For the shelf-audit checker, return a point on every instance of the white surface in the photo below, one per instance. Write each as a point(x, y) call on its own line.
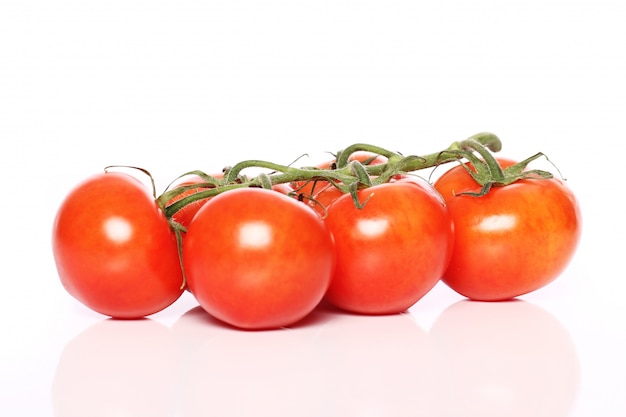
point(174, 86)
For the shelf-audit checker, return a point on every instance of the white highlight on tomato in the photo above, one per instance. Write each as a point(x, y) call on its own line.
point(255, 235)
point(373, 227)
point(118, 229)
point(497, 222)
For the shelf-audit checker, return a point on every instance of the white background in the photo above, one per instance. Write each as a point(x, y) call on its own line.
point(174, 86)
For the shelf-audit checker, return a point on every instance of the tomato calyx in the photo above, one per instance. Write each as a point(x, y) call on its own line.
point(487, 172)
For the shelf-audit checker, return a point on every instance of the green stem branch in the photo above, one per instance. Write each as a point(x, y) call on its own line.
point(347, 175)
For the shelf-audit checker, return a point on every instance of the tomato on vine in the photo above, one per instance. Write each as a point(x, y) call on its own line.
point(114, 249)
point(392, 251)
point(258, 259)
point(514, 239)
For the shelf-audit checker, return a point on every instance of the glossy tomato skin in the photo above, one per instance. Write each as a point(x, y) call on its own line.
point(391, 252)
point(258, 259)
point(512, 241)
point(114, 250)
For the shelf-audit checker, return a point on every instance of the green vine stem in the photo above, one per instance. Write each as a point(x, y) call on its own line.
point(350, 176)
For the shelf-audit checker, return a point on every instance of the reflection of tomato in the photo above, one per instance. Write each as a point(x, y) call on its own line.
point(117, 368)
point(511, 241)
point(235, 254)
point(261, 374)
point(379, 366)
point(114, 249)
point(349, 365)
point(391, 252)
point(505, 359)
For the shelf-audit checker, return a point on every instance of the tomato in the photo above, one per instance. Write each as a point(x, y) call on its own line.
point(258, 259)
point(511, 241)
point(496, 356)
point(118, 368)
point(113, 248)
point(391, 252)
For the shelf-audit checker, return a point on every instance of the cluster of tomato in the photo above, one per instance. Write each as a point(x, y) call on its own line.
point(259, 258)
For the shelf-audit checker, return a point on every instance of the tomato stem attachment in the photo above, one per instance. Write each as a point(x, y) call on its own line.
point(488, 173)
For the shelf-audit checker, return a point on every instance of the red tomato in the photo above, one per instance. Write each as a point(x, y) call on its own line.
point(514, 240)
point(114, 250)
point(257, 259)
point(391, 252)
